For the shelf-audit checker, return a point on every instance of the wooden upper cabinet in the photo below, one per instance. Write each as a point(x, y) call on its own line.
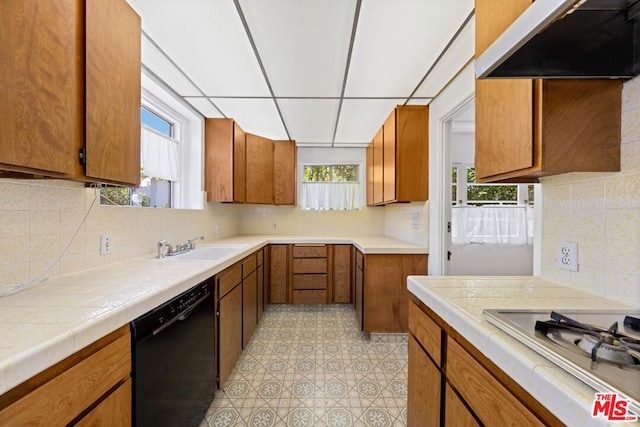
point(71, 82)
point(259, 173)
point(113, 58)
point(37, 124)
point(378, 166)
point(527, 128)
point(225, 161)
point(389, 158)
point(370, 175)
point(284, 172)
point(400, 157)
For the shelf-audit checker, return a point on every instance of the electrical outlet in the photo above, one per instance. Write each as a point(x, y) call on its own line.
point(274, 226)
point(568, 256)
point(415, 224)
point(106, 244)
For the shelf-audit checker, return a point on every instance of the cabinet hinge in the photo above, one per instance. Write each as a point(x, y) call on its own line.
point(82, 156)
point(449, 227)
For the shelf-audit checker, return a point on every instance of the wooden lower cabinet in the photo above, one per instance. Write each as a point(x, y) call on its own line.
point(229, 333)
point(249, 307)
point(358, 289)
point(456, 413)
point(278, 274)
point(424, 388)
point(342, 274)
point(260, 284)
point(385, 295)
point(97, 377)
point(115, 410)
point(471, 390)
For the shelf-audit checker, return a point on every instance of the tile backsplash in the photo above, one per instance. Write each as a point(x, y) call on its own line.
point(601, 212)
point(39, 219)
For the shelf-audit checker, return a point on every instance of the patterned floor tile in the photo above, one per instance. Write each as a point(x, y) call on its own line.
point(311, 366)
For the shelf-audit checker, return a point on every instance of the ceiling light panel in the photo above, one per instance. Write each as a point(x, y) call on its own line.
point(257, 116)
point(310, 120)
point(207, 40)
point(205, 107)
point(398, 40)
point(303, 45)
point(155, 61)
point(360, 119)
point(457, 56)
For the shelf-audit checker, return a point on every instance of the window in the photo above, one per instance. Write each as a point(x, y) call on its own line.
point(170, 153)
point(330, 187)
point(160, 164)
point(489, 213)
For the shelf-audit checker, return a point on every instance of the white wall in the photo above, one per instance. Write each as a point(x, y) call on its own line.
point(407, 221)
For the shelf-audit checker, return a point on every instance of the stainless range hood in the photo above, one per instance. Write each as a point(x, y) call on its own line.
point(568, 39)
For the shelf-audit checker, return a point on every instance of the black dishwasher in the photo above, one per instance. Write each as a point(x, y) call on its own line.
point(174, 378)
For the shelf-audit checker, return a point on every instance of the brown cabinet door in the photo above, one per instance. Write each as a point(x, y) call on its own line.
point(389, 158)
point(370, 174)
point(115, 410)
point(412, 153)
point(424, 395)
point(249, 307)
point(378, 167)
point(41, 94)
point(385, 287)
point(239, 164)
point(284, 173)
point(358, 297)
point(229, 333)
point(342, 274)
point(260, 285)
point(279, 274)
point(112, 98)
point(225, 157)
point(455, 413)
point(259, 170)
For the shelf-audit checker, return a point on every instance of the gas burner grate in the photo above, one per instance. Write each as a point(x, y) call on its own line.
point(600, 344)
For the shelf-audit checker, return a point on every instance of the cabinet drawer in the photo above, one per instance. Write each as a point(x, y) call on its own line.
point(359, 259)
point(248, 265)
point(260, 257)
point(310, 251)
point(228, 279)
point(425, 331)
point(310, 265)
point(309, 296)
point(309, 281)
point(489, 399)
point(69, 392)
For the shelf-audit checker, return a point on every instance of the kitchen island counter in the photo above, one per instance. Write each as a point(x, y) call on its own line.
point(45, 323)
point(459, 301)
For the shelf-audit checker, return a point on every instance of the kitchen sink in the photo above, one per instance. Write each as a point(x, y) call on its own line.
point(207, 253)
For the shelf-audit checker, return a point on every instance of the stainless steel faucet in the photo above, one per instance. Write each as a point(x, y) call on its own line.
point(161, 245)
point(191, 242)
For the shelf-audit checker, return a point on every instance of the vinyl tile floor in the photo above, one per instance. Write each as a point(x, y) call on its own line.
point(311, 366)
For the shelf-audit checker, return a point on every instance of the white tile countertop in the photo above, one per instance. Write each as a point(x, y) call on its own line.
point(43, 324)
point(459, 301)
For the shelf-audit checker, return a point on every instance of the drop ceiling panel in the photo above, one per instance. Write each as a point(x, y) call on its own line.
point(310, 120)
point(398, 40)
point(154, 60)
point(205, 107)
point(207, 41)
point(303, 44)
point(360, 119)
point(257, 116)
point(461, 51)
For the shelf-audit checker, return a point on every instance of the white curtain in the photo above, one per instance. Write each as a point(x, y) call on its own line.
point(330, 195)
point(160, 156)
point(493, 225)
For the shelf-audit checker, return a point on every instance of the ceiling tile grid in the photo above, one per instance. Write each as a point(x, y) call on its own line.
point(278, 67)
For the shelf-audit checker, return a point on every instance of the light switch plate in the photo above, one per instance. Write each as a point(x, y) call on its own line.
point(568, 256)
point(106, 244)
